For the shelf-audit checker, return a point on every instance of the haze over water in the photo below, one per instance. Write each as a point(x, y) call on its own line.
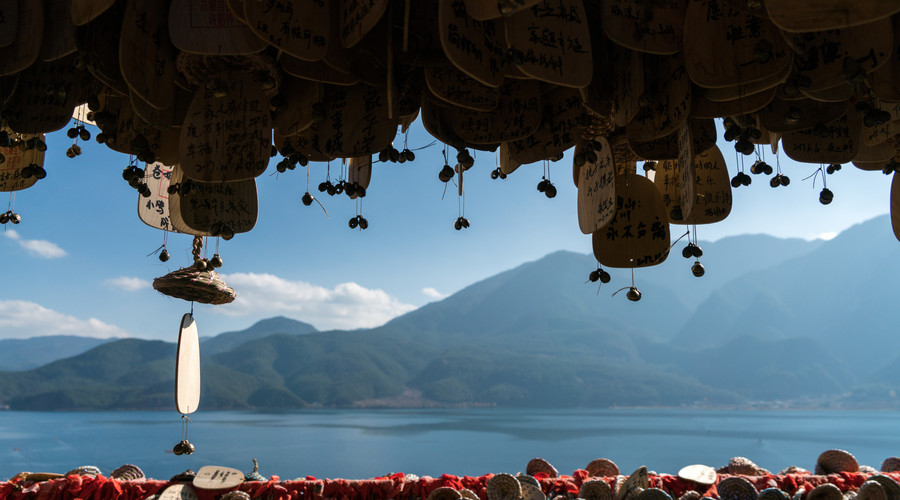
point(357, 444)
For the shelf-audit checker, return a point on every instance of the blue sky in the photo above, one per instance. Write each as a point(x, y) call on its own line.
point(78, 264)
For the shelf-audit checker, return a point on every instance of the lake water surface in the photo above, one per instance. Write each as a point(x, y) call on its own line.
point(357, 444)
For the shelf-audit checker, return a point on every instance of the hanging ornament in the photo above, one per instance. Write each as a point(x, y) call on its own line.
point(198, 282)
point(187, 379)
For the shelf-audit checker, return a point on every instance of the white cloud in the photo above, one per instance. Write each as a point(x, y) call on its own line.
point(432, 293)
point(39, 248)
point(128, 283)
point(23, 319)
point(826, 236)
point(347, 306)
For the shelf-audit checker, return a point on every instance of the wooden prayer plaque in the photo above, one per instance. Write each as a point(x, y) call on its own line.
point(638, 233)
point(597, 190)
point(478, 48)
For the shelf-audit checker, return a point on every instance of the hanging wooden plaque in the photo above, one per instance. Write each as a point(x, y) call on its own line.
point(46, 96)
point(508, 164)
point(146, 56)
point(895, 205)
point(455, 87)
point(9, 22)
point(228, 137)
point(59, 31)
point(85, 11)
point(820, 15)
point(358, 18)
point(553, 41)
point(436, 119)
point(837, 142)
point(597, 190)
point(482, 11)
point(204, 27)
point(638, 233)
point(236, 7)
point(477, 48)
point(16, 159)
point(838, 93)
point(712, 202)
point(356, 121)
point(305, 142)
point(878, 134)
point(885, 81)
point(724, 47)
point(879, 154)
point(299, 27)
point(627, 84)
point(296, 112)
point(786, 116)
point(359, 170)
point(155, 210)
point(517, 116)
point(209, 204)
point(685, 178)
point(24, 51)
point(562, 115)
point(747, 91)
point(636, 25)
point(666, 99)
point(821, 55)
point(176, 222)
point(98, 42)
point(702, 107)
point(664, 148)
point(187, 367)
point(703, 133)
point(599, 96)
point(318, 71)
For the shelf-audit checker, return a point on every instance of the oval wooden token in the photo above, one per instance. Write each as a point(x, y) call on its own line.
point(638, 26)
point(146, 56)
point(85, 11)
point(24, 51)
point(317, 71)
point(636, 482)
point(819, 15)
point(359, 170)
point(725, 47)
point(211, 203)
point(636, 236)
point(227, 138)
point(9, 22)
point(895, 205)
point(356, 121)
point(455, 87)
point(358, 18)
point(59, 31)
point(299, 27)
point(517, 116)
point(187, 367)
point(700, 474)
point(597, 190)
point(837, 142)
point(299, 96)
point(562, 115)
point(554, 42)
point(477, 48)
point(820, 55)
point(481, 10)
point(204, 27)
point(178, 492)
point(213, 477)
point(46, 96)
point(786, 116)
point(154, 211)
point(667, 95)
point(16, 159)
point(627, 84)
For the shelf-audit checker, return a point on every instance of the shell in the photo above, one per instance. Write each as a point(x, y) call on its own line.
point(526, 479)
point(444, 493)
point(773, 494)
point(602, 467)
point(653, 494)
point(890, 464)
point(690, 495)
point(503, 487)
point(834, 461)
point(891, 488)
point(736, 488)
point(595, 489)
point(871, 490)
point(84, 470)
point(700, 474)
point(467, 493)
point(825, 491)
point(536, 465)
point(235, 495)
point(127, 472)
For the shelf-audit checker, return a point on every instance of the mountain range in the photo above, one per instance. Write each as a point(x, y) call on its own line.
point(773, 322)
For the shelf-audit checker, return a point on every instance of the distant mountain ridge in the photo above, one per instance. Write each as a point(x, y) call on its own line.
point(774, 322)
point(24, 354)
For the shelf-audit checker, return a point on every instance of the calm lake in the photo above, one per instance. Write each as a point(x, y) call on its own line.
point(358, 444)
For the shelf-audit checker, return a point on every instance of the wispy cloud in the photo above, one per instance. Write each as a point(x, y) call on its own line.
point(433, 294)
point(39, 248)
point(346, 306)
point(23, 319)
point(128, 283)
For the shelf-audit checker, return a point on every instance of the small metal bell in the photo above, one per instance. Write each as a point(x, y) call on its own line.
point(633, 294)
point(698, 269)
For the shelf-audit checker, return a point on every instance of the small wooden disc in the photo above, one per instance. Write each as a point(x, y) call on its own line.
point(203, 27)
point(178, 491)
point(356, 121)
point(187, 367)
point(85, 11)
point(210, 203)
point(24, 51)
point(481, 10)
point(562, 115)
point(358, 18)
point(144, 38)
point(16, 159)
point(455, 87)
point(819, 15)
point(837, 142)
point(59, 31)
point(212, 477)
point(299, 27)
point(638, 233)
point(597, 190)
point(667, 99)
point(477, 48)
point(154, 211)
point(626, 23)
point(227, 137)
point(517, 116)
point(553, 40)
point(9, 22)
point(724, 47)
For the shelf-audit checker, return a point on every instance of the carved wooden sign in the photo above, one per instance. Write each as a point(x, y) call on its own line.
point(597, 190)
point(638, 233)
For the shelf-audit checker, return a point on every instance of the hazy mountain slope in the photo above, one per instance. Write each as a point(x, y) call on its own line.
point(24, 354)
point(279, 324)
